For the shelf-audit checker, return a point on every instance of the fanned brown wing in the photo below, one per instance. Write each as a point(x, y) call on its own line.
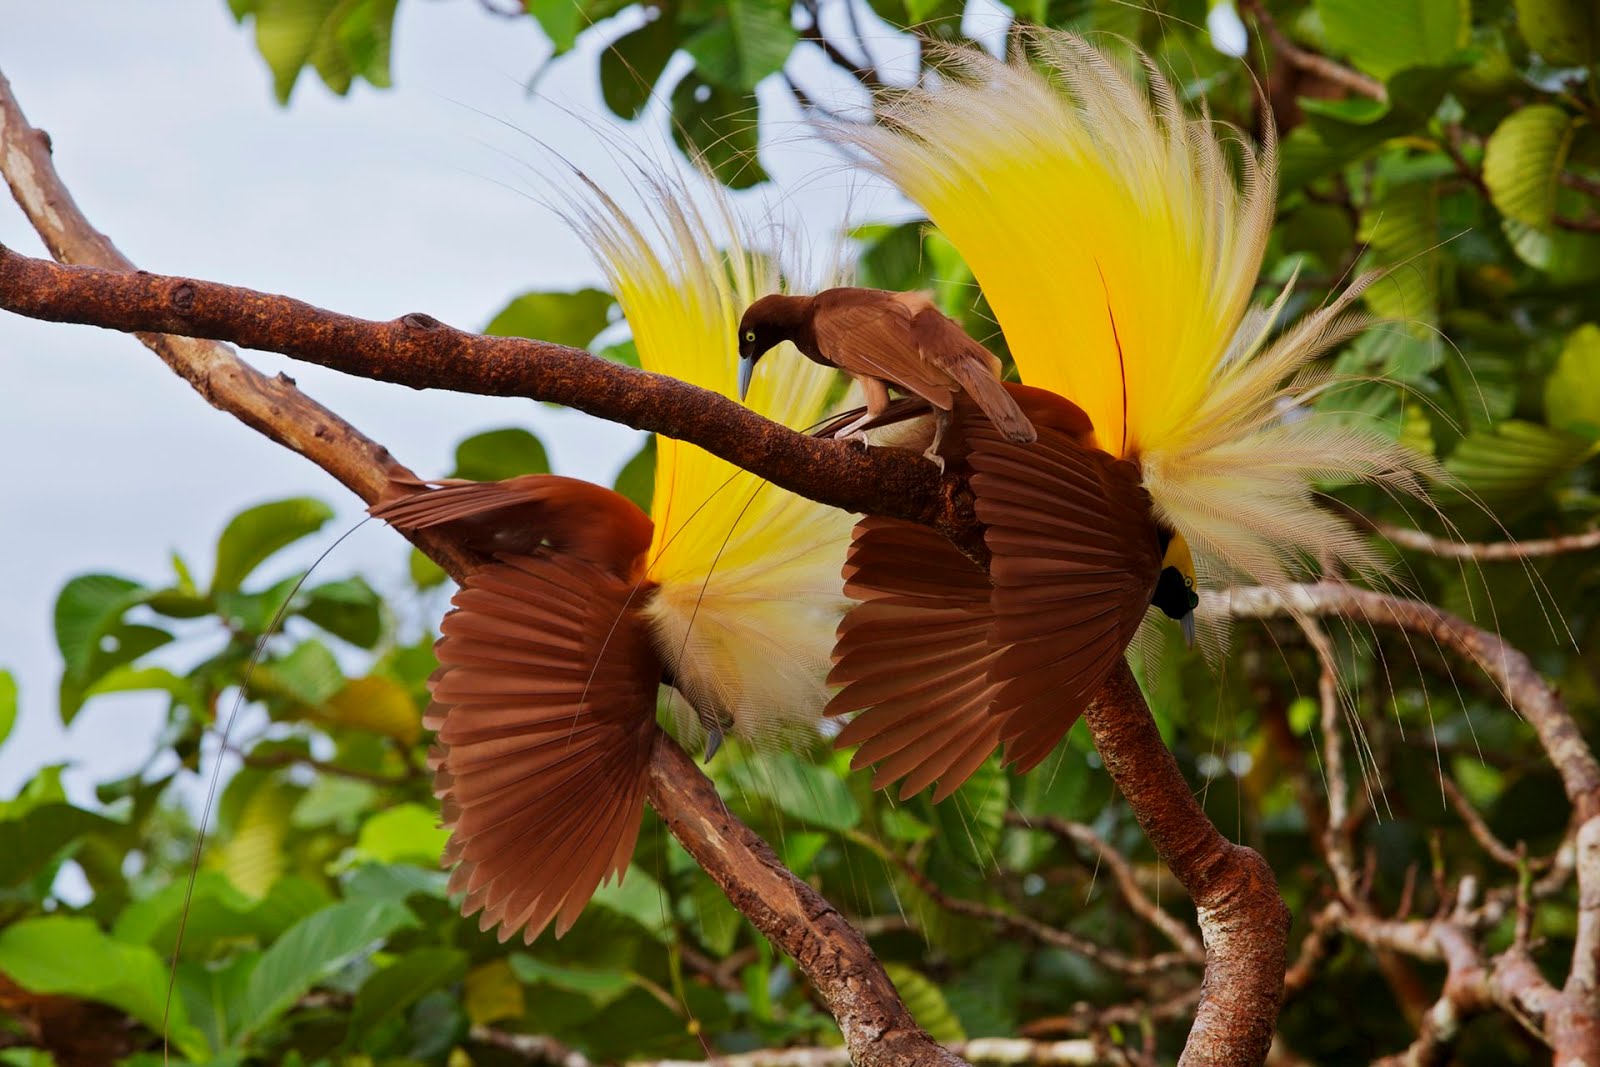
point(867, 332)
point(519, 515)
point(544, 706)
point(1075, 562)
point(915, 655)
point(944, 344)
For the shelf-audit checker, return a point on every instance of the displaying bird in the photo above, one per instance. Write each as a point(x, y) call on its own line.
point(1176, 438)
point(880, 339)
point(551, 660)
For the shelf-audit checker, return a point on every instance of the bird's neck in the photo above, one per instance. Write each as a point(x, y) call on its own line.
point(793, 315)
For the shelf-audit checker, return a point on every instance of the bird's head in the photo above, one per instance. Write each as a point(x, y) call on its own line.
point(1176, 591)
point(766, 323)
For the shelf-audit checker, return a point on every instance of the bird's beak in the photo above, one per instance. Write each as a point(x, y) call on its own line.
point(747, 370)
point(1186, 624)
point(713, 742)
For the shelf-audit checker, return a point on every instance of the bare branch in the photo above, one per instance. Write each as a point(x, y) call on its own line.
point(1311, 62)
point(1494, 551)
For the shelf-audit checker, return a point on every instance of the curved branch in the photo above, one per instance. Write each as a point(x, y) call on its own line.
point(1493, 551)
point(877, 1028)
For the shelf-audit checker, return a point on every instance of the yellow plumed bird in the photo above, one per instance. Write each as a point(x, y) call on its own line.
point(552, 657)
point(1118, 240)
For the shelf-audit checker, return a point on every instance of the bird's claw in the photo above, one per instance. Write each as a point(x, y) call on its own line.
point(858, 436)
point(933, 457)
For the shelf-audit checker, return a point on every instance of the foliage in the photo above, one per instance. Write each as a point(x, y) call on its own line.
point(319, 928)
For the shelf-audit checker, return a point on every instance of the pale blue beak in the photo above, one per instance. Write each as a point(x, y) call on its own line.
point(1186, 624)
point(747, 370)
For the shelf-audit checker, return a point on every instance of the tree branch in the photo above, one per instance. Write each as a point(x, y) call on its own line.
point(1494, 551)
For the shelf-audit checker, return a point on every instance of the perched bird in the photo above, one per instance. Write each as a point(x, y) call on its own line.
point(1176, 438)
point(552, 658)
point(881, 339)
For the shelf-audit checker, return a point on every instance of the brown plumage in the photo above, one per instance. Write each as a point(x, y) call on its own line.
point(945, 661)
point(545, 698)
point(882, 338)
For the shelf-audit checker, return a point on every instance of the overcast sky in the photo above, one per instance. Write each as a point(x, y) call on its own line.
point(377, 204)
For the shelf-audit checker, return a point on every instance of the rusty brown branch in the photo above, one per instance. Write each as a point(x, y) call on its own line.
point(877, 1028)
point(1243, 920)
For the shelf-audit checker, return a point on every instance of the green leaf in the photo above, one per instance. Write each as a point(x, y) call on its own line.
point(1564, 256)
point(8, 704)
point(498, 454)
point(1401, 229)
point(1523, 160)
point(802, 790)
point(637, 479)
point(972, 818)
point(1384, 37)
point(572, 319)
point(750, 40)
point(378, 705)
point(1572, 392)
point(1565, 33)
point(32, 838)
point(341, 39)
point(1336, 135)
point(376, 881)
point(925, 1003)
point(311, 950)
point(86, 608)
point(407, 832)
point(73, 957)
point(255, 534)
point(638, 897)
point(631, 66)
point(349, 609)
point(718, 920)
point(425, 573)
point(253, 856)
point(717, 127)
point(1514, 459)
point(561, 21)
point(309, 675)
point(601, 987)
point(493, 993)
point(395, 988)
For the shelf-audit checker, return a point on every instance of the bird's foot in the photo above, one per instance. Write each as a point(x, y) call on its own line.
point(933, 457)
point(858, 436)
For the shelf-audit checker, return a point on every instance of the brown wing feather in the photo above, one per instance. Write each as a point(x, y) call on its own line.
point(544, 706)
point(1075, 561)
point(519, 515)
point(915, 655)
point(867, 333)
point(943, 343)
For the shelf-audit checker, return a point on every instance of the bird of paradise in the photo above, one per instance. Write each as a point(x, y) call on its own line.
point(546, 700)
point(1118, 249)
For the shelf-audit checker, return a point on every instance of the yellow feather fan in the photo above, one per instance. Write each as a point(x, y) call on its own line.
point(1119, 249)
point(750, 590)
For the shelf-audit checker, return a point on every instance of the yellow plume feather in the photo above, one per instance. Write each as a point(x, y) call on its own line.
point(750, 588)
point(1119, 250)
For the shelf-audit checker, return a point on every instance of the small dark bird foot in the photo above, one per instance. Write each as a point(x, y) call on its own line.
point(713, 742)
point(858, 436)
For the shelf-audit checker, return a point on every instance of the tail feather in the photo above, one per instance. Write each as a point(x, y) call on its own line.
point(991, 396)
point(544, 706)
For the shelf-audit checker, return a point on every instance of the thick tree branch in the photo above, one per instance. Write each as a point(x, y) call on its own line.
point(1243, 920)
point(877, 1028)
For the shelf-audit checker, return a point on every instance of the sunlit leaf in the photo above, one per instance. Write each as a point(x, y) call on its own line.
point(253, 535)
point(403, 833)
point(1384, 37)
point(8, 704)
point(925, 1003)
point(493, 993)
point(253, 856)
point(379, 705)
point(1523, 159)
point(812, 794)
point(1572, 392)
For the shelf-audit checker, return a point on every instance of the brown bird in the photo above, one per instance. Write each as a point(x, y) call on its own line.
point(882, 338)
point(946, 662)
point(545, 698)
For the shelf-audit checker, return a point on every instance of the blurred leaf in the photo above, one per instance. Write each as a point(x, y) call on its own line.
point(926, 1004)
point(717, 127)
point(744, 43)
point(500, 454)
point(1566, 33)
point(638, 897)
point(717, 919)
point(71, 956)
point(972, 818)
point(8, 704)
point(631, 66)
point(333, 801)
point(1565, 256)
point(561, 21)
point(572, 319)
point(425, 573)
point(601, 987)
point(253, 857)
point(1401, 229)
point(311, 950)
point(401, 834)
point(802, 790)
point(637, 479)
point(309, 674)
point(255, 534)
point(1514, 459)
point(377, 705)
point(1384, 37)
point(86, 608)
point(1572, 392)
point(342, 39)
point(1337, 134)
point(400, 881)
point(392, 990)
point(1522, 160)
point(118, 646)
point(32, 837)
point(349, 609)
point(493, 993)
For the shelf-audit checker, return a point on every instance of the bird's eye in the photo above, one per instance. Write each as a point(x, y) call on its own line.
point(750, 335)
point(1188, 583)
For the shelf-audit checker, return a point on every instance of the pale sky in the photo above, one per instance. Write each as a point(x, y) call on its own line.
point(377, 204)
